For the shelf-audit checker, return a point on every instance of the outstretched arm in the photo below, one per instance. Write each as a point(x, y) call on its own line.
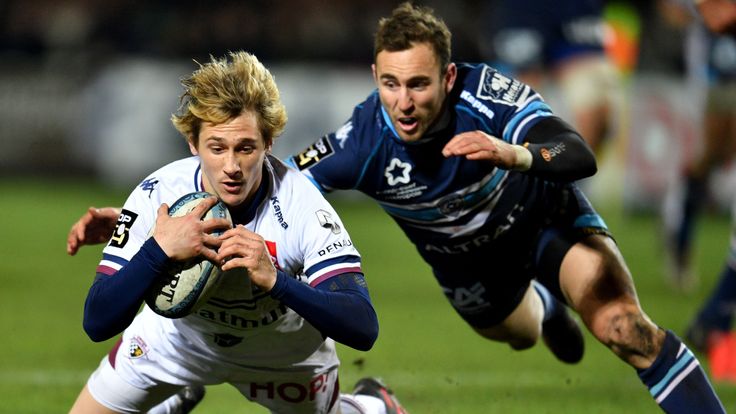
point(552, 150)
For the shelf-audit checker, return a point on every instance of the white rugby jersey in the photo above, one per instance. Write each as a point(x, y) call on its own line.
point(240, 323)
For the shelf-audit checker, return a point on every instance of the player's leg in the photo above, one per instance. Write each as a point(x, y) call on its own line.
point(589, 86)
point(595, 280)
point(681, 218)
point(539, 313)
point(107, 392)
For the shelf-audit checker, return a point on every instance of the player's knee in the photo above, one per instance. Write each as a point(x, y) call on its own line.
point(627, 332)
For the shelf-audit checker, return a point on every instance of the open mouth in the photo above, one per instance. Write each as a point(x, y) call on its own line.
point(232, 187)
point(407, 123)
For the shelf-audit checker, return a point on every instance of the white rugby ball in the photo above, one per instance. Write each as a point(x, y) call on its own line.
point(186, 284)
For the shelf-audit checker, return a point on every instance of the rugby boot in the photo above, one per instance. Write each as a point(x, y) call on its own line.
point(562, 335)
point(190, 396)
point(374, 387)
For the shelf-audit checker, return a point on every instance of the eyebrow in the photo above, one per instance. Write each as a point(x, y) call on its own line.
point(388, 76)
point(245, 140)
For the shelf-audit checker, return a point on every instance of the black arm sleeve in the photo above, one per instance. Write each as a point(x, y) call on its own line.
point(339, 307)
point(559, 153)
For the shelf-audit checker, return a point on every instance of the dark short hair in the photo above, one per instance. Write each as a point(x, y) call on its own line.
point(410, 24)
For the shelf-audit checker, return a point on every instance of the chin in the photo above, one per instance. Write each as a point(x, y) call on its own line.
point(232, 200)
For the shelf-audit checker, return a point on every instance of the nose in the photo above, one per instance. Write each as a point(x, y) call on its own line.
point(406, 102)
point(232, 166)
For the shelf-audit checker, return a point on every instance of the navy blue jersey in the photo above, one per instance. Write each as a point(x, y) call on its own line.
point(438, 201)
point(460, 214)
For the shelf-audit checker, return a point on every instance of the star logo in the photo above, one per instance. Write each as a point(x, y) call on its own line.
point(397, 172)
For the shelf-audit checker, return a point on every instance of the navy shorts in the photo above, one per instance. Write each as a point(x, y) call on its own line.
point(486, 283)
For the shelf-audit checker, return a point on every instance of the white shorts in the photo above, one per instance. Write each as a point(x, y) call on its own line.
point(294, 392)
point(152, 361)
point(590, 81)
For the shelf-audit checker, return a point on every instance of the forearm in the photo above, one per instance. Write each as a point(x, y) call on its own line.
point(344, 313)
point(113, 301)
point(554, 151)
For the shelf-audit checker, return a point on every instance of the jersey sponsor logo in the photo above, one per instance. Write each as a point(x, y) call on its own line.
point(467, 299)
point(332, 248)
point(231, 319)
point(496, 87)
point(122, 228)
point(397, 172)
point(271, 246)
point(549, 154)
point(326, 221)
point(290, 392)
point(277, 212)
point(149, 185)
point(137, 347)
point(458, 248)
point(314, 154)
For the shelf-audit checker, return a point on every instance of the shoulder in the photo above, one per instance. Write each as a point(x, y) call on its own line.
point(480, 84)
point(171, 181)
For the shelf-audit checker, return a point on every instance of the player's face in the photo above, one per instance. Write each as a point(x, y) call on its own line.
point(412, 89)
point(231, 155)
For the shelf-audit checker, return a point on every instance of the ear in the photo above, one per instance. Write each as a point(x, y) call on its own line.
point(192, 147)
point(450, 77)
point(375, 77)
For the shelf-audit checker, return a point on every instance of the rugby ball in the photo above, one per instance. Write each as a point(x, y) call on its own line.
point(186, 284)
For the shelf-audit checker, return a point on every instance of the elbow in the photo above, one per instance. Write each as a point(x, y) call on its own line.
point(368, 335)
point(95, 331)
point(592, 168)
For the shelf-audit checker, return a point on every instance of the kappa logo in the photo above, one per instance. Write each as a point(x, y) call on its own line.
point(149, 185)
point(499, 88)
point(397, 172)
point(122, 228)
point(342, 134)
point(314, 154)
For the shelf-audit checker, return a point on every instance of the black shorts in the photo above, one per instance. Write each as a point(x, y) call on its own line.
point(485, 284)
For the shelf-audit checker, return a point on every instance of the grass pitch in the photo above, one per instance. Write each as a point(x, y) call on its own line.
point(434, 362)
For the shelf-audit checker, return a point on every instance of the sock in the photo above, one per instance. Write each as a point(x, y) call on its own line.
point(718, 311)
point(678, 383)
point(169, 406)
point(552, 306)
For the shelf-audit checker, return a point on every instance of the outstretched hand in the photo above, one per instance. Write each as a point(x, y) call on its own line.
point(94, 227)
point(479, 146)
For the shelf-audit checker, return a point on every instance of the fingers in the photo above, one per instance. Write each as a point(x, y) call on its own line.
point(202, 208)
point(467, 143)
point(76, 236)
point(163, 209)
point(210, 225)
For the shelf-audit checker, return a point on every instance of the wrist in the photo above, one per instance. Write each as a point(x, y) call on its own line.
point(523, 158)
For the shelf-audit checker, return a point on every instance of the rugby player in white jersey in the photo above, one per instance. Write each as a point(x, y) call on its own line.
point(294, 283)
